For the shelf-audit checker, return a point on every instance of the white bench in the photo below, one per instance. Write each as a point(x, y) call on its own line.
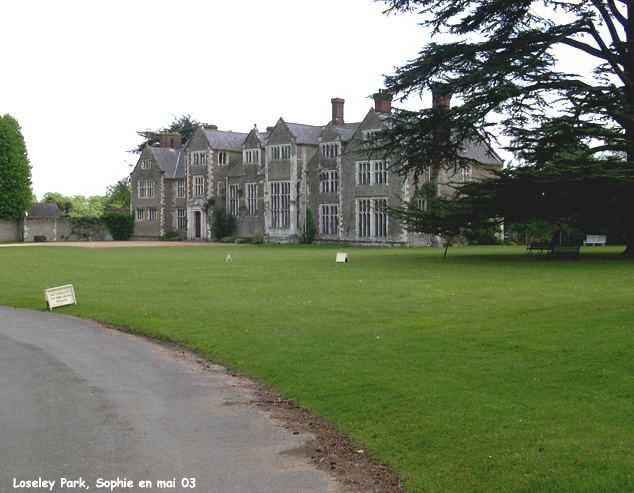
point(595, 240)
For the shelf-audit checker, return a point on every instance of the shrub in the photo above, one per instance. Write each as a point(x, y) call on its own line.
point(224, 224)
point(258, 238)
point(121, 226)
point(227, 239)
point(240, 240)
point(172, 236)
point(309, 235)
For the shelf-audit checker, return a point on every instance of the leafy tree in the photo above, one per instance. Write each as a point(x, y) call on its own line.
point(76, 205)
point(15, 170)
point(118, 195)
point(65, 204)
point(500, 64)
point(185, 125)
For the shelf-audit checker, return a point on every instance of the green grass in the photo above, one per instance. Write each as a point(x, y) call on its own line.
point(487, 371)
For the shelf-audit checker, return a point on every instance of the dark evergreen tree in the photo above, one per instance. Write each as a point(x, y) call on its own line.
point(15, 170)
point(185, 125)
point(500, 67)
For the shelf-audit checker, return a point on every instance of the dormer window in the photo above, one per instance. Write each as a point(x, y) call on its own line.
point(251, 156)
point(281, 152)
point(330, 150)
point(199, 157)
point(466, 174)
point(368, 135)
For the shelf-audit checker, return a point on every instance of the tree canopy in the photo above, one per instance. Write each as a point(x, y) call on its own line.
point(500, 64)
point(15, 170)
point(118, 195)
point(185, 125)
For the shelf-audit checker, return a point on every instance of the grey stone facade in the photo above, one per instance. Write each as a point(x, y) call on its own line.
point(269, 180)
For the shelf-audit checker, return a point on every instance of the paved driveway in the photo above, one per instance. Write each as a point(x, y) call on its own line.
point(102, 410)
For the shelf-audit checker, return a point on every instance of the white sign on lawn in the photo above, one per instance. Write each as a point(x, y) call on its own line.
point(59, 296)
point(342, 257)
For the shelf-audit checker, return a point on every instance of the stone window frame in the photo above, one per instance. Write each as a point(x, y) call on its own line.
point(234, 200)
point(329, 181)
point(199, 185)
point(145, 189)
point(181, 218)
point(330, 150)
point(251, 156)
point(280, 204)
point(198, 157)
point(252, 198)
point(280, 151)
point(370, 222)
point(329, 219)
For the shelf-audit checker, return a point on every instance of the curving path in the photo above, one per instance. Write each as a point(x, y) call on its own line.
point(108, 410)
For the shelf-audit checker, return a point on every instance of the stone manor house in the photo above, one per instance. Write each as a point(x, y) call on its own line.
point(269, 180)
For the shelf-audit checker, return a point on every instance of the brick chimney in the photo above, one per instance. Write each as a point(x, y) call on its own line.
point(440, 99)
point(170, 140)
point(383, 102)
point(337, 110)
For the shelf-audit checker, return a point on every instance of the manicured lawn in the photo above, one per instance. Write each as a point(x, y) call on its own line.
point(487, 371)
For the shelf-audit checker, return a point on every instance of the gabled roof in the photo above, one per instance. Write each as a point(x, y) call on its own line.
point(44, 210)
point(347, 130)
point(170, 161)
point(482, 153)
point(306, 134)
point(228, 141)
point(256, 139)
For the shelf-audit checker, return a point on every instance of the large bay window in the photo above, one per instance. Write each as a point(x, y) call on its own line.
point(371, 219)
point(280, 204)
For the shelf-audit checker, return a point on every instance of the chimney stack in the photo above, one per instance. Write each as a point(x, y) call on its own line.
point(337, 110)
point(170, 140)
point(440, 98)
point(383, 102)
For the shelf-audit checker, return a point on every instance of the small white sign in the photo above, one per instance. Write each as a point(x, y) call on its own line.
point(59, 296)
point(342, 257)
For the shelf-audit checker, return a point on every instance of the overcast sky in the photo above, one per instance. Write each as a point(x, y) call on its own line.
point(82, 77)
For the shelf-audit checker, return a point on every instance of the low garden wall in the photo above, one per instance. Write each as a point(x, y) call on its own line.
point(9, 231)
point(31, 229)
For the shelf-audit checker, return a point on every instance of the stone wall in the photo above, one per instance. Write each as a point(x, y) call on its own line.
point(9, 231)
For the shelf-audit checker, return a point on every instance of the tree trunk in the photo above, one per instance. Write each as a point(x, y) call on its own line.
point(629, 130)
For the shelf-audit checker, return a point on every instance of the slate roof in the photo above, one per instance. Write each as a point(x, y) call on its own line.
point(171, 161)
point(44, 210)
point(306, 134)
point(222, 139)
point(347, 130)
point(264, 137)
point(482, 153)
